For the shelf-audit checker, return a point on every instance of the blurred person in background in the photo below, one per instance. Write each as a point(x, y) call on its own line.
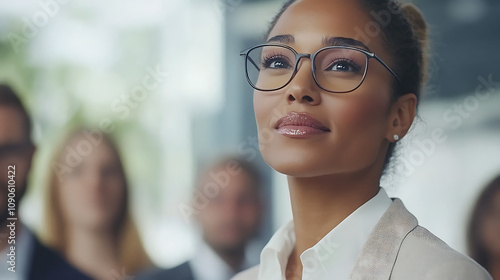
point(483, 235)
point(228, 203)
point(30, 259)
point(87, 215)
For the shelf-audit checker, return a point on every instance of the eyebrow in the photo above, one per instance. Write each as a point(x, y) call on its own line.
point(344, 42)
point(327, 41)
point(284, 39)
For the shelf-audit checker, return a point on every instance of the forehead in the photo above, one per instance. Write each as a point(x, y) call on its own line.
point(101, 152)
point(310, 21)
point(12, 125)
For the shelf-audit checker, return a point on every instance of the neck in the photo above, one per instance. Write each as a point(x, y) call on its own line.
point(234, 258)
point(319, 204)
point(93, 251)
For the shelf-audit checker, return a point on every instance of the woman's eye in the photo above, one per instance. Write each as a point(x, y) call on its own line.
point(276, 63)
point(343, 66)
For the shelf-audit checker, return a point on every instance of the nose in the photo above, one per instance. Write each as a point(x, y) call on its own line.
point(94, 179)
point(303, 88)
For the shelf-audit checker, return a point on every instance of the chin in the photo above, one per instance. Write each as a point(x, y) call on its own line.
point(230, 247)
point(96, 222)
point(293, 164)
point(294, 171)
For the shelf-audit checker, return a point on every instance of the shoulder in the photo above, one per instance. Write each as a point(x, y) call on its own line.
point(180, 272)
point(425, 255)
point(48, 264)
point(249, 274)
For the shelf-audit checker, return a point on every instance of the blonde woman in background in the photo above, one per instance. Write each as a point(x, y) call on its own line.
point(87, 209)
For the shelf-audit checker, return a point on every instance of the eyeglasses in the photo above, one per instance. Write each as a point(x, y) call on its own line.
point(337, 69)
point(12, 153)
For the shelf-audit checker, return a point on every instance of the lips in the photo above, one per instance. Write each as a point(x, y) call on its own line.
point(300, 125)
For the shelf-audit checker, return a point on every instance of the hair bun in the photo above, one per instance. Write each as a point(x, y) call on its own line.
point(417, 21)
point(420, 30)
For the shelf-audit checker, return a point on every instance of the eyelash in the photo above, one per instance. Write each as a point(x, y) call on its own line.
point(266, 59)
point(349, 61)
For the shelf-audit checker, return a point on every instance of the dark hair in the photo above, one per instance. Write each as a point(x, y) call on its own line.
point(477, 249)
point(244, 165)
point(405, 36)
point(9, 98)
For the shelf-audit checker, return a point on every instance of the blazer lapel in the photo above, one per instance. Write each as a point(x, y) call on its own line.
point(378, 256)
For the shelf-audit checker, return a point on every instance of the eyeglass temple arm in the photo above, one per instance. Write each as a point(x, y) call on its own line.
point(249, 58)
point(387, 67)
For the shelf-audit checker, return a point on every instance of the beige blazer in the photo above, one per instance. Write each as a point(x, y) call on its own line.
point(399, 249)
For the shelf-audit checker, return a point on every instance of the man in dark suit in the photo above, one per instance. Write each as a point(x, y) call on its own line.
point(227, 206)
point(22, 256)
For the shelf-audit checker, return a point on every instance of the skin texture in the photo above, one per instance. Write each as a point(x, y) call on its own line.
point(231, 218)
point(12, 132)
point(330, 174)
point(91, 197)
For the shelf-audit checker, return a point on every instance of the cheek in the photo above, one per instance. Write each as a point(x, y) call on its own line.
point(71, 198)
point(251, 215)
point(114, 189)
point(359, 113)
point(267, 112)
point(359, 122)
point(209, 218)
point(114, 195)
point(265, 105)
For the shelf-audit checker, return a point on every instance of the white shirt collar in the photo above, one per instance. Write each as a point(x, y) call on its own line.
point(207, 265)
point(23, 250)
point(334, 256)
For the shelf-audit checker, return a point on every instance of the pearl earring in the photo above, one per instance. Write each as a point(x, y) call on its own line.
point(396, 137)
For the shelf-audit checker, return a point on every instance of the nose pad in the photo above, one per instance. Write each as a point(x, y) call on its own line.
point(303, 87)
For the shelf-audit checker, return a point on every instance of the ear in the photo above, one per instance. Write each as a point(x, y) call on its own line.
point(401, 116)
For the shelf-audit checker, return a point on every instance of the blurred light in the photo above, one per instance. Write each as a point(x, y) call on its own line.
point(73, 42)
point(467, 10)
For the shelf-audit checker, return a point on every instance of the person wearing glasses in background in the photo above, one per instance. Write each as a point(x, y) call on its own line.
point(30, 259)
point(332, 98)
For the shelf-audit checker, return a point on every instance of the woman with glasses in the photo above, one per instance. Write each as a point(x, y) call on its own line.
point(337, 84)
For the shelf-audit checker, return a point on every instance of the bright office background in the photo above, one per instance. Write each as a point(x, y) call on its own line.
point(75, 61)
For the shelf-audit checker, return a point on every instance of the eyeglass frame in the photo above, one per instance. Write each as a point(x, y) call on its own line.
point(14, 149)
point(299, 56)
